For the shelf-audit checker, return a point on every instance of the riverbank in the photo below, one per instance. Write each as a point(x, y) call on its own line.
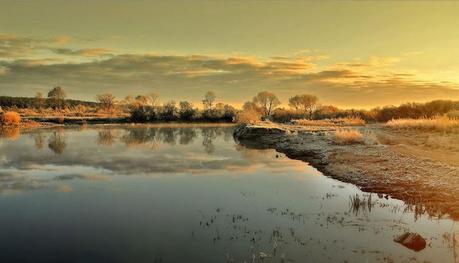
point(419, 168)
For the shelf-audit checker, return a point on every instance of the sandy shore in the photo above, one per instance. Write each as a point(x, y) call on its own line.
point(419, 168)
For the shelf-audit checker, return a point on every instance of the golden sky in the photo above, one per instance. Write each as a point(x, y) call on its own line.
point(350, 54)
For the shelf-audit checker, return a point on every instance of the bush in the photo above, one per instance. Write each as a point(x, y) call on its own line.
point(10, 118)
point(248, 116)
point(347, 136)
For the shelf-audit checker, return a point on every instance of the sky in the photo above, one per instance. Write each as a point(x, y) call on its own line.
point(357, 54)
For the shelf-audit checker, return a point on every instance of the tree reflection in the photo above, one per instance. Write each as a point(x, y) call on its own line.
point(153, 136)
point(56, 142)
point(141, 136)
point(106, 137)
point(168, 135)
point(187, 135)
point(39, 140)
point(208, 135)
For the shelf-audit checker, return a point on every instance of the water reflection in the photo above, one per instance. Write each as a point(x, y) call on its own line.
point(39, 140)
point(57, 142)
point(9, 132)
point(191, 190)
point(138, 136)
point(106, 137)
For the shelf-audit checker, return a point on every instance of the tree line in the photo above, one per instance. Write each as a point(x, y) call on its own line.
point(263, 106)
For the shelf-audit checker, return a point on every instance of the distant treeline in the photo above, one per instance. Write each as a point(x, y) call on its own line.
point(380, 114)
point(264, 106)
point(34, 103)
point(184, 113)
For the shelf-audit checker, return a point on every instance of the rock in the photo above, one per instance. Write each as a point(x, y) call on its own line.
point(412, 241)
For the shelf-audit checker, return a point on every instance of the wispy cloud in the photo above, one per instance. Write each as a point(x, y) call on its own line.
point(85, 52)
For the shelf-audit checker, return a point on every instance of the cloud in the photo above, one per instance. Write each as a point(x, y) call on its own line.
point(86, 52)
point(12, 46)
point(18, 47)
point(61, 40)
point(84, 72)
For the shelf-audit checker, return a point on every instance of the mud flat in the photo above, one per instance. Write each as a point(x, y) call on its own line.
point(389, 163)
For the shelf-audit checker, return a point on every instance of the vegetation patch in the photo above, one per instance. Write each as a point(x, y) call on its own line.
point(10, 118)
point(348, 121)
point(442, 123)
point(347, 137)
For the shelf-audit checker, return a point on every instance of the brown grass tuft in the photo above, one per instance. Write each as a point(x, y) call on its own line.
point(10, 118)
point(428, 124)
point(347, 136)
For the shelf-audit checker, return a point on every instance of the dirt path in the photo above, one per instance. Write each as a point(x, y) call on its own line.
point(389, 163)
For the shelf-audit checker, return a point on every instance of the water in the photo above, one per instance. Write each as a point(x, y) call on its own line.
point(190, 194)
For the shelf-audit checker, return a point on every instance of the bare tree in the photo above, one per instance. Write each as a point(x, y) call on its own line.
point(107, 101)
point(267, 101)
point(209, 99)
point(40, 99)
point(154, 99)
point(305, 103)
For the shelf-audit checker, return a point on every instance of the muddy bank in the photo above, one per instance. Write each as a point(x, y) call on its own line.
point(427, 185)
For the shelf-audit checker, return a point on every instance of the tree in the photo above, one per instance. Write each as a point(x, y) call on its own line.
point(154, 99)
point(186, 110)
point(305, 103)
point(40, 99)
point(169, 111)
point(57, 96)
point(267, 101)
point(208, 101)
point(107, 101)
point(142, 100)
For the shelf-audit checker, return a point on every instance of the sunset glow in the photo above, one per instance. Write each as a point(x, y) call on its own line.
point(352, 54)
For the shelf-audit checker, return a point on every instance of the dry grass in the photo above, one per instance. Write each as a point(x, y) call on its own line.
point(10, 118)
point(428, 124)
point(454, 114)
point(348, 121)
point(347, 136)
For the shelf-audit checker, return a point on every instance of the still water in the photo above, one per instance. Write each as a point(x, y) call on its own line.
point(190, 194)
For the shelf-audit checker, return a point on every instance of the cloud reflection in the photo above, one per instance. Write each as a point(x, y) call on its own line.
point(96, 154)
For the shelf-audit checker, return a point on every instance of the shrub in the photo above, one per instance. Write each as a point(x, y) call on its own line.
point(431, 124)
point(347, 136)
point(248, 116)
point(10, 118)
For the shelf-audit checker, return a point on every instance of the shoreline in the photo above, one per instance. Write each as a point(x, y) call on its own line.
point(425, 184)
